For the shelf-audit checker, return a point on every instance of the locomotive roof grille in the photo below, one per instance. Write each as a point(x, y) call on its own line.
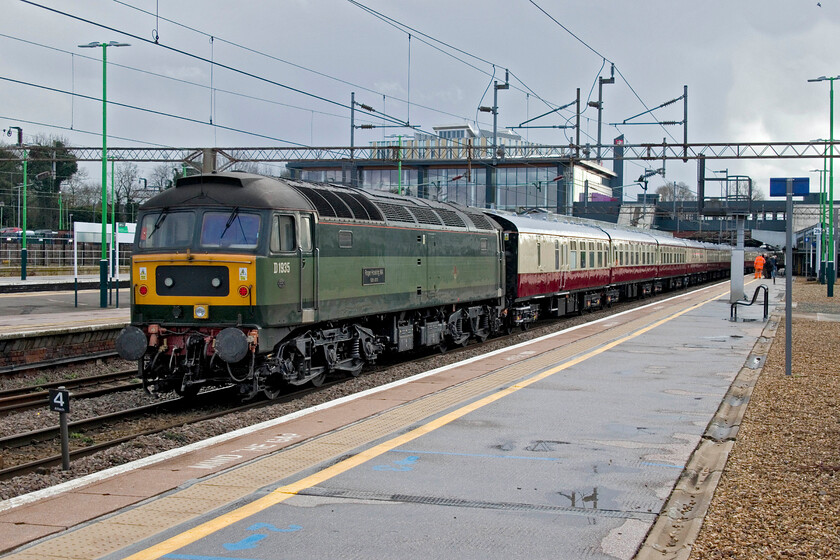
point(451, 218)
point(340, 204)
point(425, 216)
point(325, 202)
point(395, 212)
point(342, 210)
point(479, 220)
point(361, 206)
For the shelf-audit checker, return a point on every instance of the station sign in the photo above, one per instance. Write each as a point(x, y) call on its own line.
point(59, 400)
point(778, 186)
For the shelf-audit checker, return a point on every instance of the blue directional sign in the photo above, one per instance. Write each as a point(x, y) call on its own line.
point(778, 186)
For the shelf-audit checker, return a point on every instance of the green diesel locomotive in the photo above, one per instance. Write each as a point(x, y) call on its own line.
point(263, 282)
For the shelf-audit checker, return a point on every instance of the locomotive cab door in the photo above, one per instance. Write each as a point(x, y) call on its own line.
point(308, 268)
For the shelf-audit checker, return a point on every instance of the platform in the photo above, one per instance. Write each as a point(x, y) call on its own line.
point(567, 446)
point(49, 283)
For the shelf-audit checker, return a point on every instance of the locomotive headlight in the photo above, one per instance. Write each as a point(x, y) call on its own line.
point(215, 282)
point(168, 281)
point(201, 311)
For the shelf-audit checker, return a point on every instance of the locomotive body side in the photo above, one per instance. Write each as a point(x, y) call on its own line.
point(372, 269)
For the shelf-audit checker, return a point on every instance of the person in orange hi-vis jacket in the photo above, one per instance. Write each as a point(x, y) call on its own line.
point(759, 265)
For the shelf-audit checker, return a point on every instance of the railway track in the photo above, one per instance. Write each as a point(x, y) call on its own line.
point(57, 362)
point(25, 398)
point(110, 423)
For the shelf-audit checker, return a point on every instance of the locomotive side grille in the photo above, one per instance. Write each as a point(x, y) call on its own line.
point(479, 220)
point(425, 216)
point(395, 212)
point(451, 218)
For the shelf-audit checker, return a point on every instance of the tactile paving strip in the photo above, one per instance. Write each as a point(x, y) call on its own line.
point(122, 529)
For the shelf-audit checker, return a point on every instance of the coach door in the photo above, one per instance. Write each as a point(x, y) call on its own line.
point(308, 269)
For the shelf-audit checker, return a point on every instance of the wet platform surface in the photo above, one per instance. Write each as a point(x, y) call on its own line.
point(49, 304)
point(567, 446)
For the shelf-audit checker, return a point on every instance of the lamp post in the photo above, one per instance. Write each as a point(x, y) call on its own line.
point(491, 200)
point(821, 236)
point(600, 104)
point(829, 270)
point(103, 262)
point(25, 179)
point(399, 160)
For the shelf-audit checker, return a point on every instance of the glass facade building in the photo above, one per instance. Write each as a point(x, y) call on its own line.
point(456, 166)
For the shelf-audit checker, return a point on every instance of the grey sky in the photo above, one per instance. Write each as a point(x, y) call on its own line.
point(746, 64)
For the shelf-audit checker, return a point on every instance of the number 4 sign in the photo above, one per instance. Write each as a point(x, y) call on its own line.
point(59, 400)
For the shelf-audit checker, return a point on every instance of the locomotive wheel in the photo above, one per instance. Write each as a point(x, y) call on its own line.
point(356, 370)
point(442, 348)
point(318, 380)
point(272, 393)
point(188, 393)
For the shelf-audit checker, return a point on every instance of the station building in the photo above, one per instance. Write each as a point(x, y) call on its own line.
point(455, 165)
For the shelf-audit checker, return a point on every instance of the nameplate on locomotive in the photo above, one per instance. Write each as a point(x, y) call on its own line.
point(372, 276)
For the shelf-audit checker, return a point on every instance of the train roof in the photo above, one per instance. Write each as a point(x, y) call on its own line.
point(228, 189)
point(331, 202)
point(527, 224)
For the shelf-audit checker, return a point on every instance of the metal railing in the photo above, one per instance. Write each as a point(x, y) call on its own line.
point(56, 254)
point(733, 310)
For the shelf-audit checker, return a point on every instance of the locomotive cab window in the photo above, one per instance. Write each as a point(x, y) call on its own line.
point(165, 229)
point(234, 229)
point(305, 234)
point(283, 234)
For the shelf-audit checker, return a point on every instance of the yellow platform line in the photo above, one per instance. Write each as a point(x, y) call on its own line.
point(285, 492)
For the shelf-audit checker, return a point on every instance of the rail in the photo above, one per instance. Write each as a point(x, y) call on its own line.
point(733, 310)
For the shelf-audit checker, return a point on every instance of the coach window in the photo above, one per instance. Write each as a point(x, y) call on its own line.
point(283, 234)
point(556, 255)
point(573, 255)
point(539, 254)
point(600, 259)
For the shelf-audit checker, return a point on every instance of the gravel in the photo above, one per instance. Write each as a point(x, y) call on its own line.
point(779, 496)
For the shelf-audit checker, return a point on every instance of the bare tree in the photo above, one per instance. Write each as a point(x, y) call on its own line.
point(669, 191)
point(126, 185)
point(164, 175)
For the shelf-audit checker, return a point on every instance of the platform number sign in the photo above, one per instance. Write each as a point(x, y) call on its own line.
point(59, 400)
